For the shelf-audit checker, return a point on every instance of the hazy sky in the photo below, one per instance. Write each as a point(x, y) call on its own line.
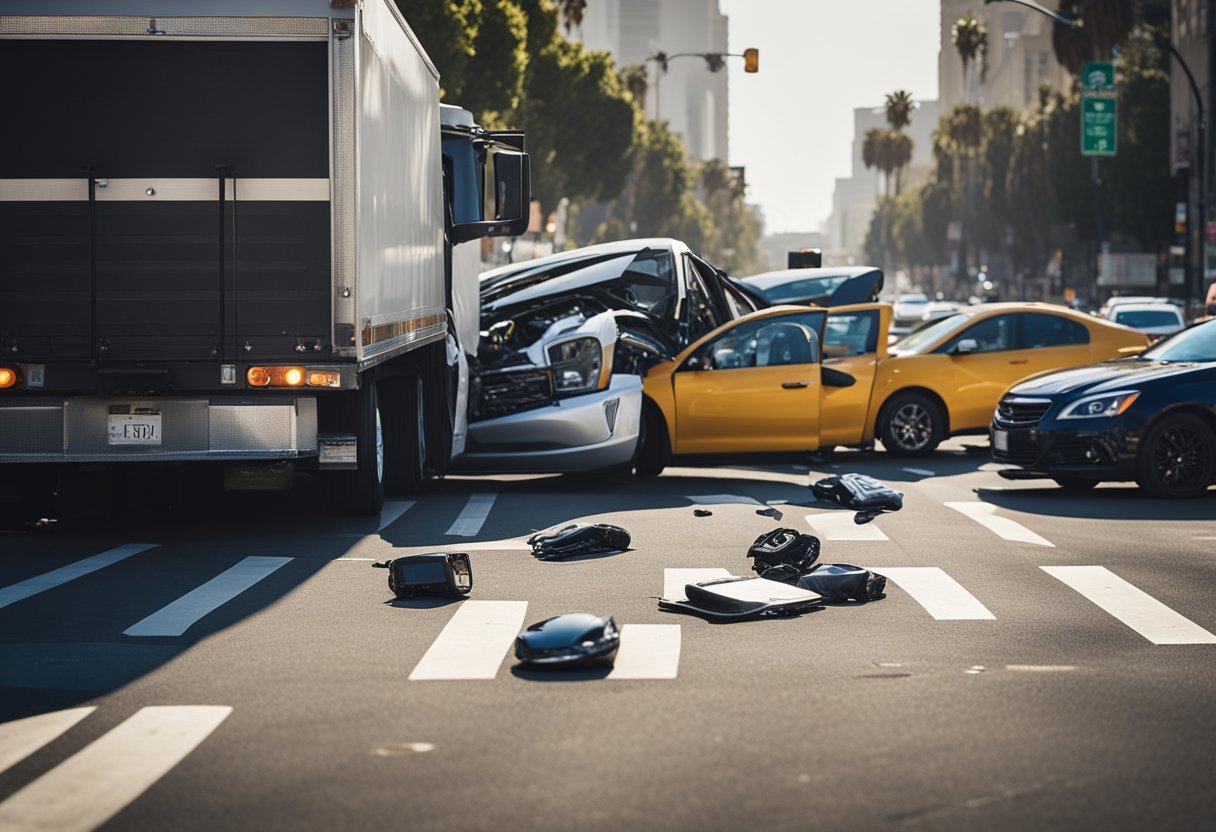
point(791, 124)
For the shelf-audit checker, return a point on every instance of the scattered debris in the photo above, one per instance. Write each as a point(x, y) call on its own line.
point(701, 512)
point(579, 539)
point(430, 574)
point(770, 512)
point(571, 640)
point(840, 583)
point(735, 599)
point(784, 549)
point(864, 494)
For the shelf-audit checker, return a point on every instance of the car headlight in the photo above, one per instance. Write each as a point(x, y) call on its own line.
point(577, 365)
point(1097, 407)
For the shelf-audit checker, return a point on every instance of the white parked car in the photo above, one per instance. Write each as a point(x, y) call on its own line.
point(907, 312)
point(1156, 319)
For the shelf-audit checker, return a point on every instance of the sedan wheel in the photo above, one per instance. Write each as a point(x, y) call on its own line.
point(1178, 457)
point(912, 425)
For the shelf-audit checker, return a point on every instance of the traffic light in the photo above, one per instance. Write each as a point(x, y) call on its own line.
point(751, 60)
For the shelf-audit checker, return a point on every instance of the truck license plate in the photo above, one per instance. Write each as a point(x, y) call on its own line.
point(1000, 440)
point(135, 429)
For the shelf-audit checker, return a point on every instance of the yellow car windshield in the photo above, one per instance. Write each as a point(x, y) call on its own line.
point(919, 340)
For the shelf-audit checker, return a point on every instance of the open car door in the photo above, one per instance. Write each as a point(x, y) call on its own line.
point(750, 386)
point(854, 341)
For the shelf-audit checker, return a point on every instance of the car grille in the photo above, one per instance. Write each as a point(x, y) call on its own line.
point(512, 391)
point(1022, 451)
point(1021, 412)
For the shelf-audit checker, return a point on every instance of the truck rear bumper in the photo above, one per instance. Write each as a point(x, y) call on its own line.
point(581, 433)
point(215, 428)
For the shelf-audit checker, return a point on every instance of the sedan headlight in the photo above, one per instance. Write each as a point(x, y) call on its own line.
point(577, 365)
point(1097, 407)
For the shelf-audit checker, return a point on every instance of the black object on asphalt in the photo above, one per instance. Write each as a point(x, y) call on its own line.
point(579, 539)
point(842, 582)
point(736, 599)
point(432, 574)
point(701, 512)
point(770, 512)
point(569, 640)
point(784, 547)
point(864, 494)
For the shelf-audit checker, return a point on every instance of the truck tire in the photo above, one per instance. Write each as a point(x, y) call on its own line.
point(366, 483)
point(405, 446)
point(911, 424)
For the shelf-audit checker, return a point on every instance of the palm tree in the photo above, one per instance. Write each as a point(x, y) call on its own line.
point(899, 109)
point(970, 39)
point(874, 150)
point(1107, 23)
point(899, 153)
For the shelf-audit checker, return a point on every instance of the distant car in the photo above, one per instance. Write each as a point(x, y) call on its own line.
point(1151, 419)
point(1118, 300)
point(819, 287)
point(908, 311)
point(939, 309)
point(1155, 319)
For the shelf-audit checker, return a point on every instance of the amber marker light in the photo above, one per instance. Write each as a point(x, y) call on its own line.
point(293, 377)
point(324, 378)
point(257, 377)
point(8, 378)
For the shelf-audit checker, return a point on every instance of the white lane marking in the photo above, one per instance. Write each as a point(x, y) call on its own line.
point(474, 514)
point(1206, 537)
point(985, 514)
point(21, 738)
point(722, 500)
point(674, 580)
point(648, 651)
point(937, 592)
point(921, 472)
point(90, 787)
point(392, 512)
point(839, 525)
point(474, 642)
point(60, 576)
point(1134, 607)
point(1041, 668)
point(179, 616)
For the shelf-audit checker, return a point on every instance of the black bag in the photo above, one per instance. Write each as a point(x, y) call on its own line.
point(783, 548)
point(579, 539)
point(841, 582)
point(434, 574)
point(865, 495)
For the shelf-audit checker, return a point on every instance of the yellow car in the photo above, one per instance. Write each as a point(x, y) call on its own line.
point(760, 383)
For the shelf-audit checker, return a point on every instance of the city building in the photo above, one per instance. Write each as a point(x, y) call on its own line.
point(856, 195)
point(1019, 59)
point(688, 96)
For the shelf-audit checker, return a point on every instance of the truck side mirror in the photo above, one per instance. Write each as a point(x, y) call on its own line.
point(511, 201)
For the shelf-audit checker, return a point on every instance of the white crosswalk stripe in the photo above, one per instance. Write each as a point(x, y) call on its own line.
point(942, 596)
point(839, 525)
point(21, 738)
point(58, 577)
point(474, 642)
point(179, 616)
point(985, 514)
point(1134, 607)
point(473, 516)
point(90, 787)
point(648, 651)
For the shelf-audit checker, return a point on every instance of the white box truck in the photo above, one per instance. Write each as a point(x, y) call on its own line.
point(226, 234)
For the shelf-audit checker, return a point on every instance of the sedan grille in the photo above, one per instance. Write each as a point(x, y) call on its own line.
point(1021, 412)
point(513, 391)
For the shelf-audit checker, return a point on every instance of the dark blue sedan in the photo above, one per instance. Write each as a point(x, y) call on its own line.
point(1151, 419)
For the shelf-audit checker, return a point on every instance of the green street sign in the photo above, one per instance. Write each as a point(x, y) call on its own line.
point(1099, 126)
point(1098, 76)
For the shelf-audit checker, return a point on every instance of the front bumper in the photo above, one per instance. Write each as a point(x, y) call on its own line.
point(49, 429)
point(1100, 449)
point(582, 433)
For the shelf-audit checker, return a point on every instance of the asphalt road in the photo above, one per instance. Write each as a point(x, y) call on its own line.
point(988, 693)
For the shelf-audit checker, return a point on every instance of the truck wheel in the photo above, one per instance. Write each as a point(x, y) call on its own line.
point(911, 425)
point(654, 448)
point(367, 486)
point(1177, 458)
point(405, 449)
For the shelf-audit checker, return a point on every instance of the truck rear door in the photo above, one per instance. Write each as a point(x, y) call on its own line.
point(165, 199)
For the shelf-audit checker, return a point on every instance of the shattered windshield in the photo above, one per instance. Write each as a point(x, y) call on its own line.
point(648, 284)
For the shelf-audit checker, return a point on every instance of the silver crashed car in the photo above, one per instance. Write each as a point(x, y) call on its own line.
point(564, 342)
